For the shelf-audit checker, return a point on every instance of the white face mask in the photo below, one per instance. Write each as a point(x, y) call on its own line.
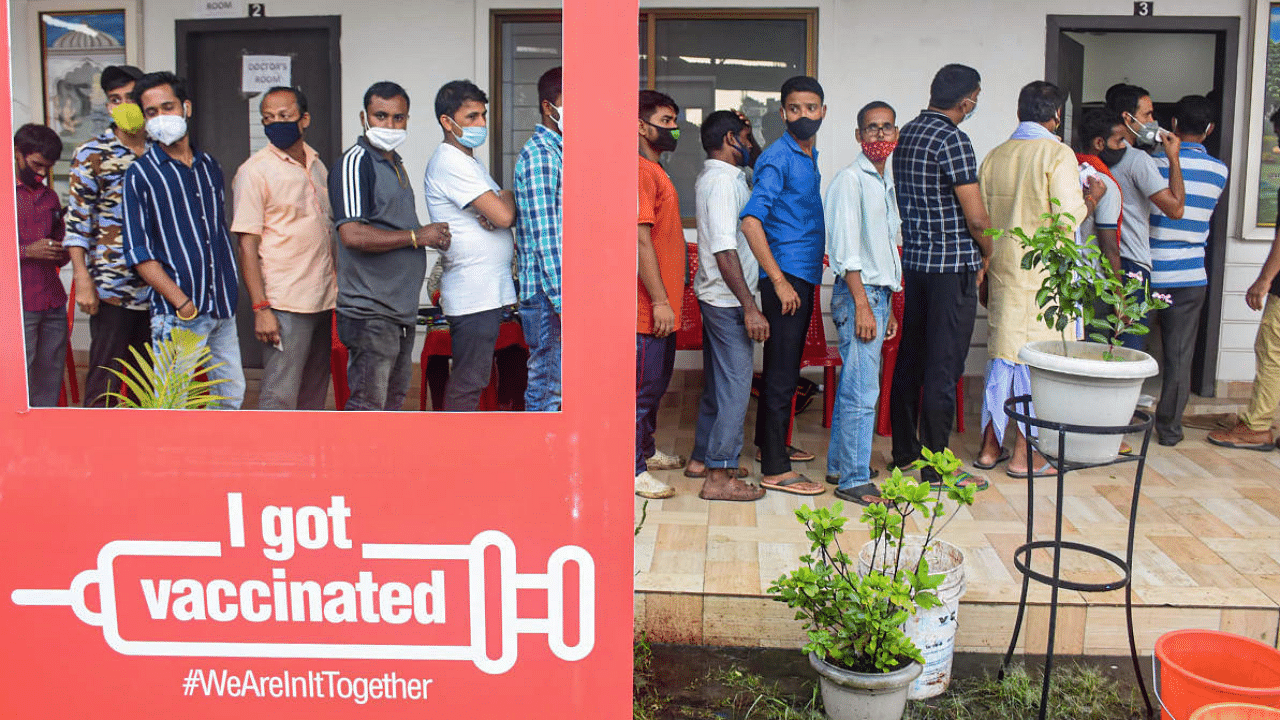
point(559, 119)
point(167, 129)
point(385, 139)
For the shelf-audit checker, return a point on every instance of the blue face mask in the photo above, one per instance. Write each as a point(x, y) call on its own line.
point(745, 155)
point(472, 137)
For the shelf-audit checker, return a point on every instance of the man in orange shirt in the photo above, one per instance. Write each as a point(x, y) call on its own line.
point(660, 254)
point(282, 217)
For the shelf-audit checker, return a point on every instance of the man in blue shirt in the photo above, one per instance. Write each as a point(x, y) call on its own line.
point(539, 192)
point(176, 236)
point(944, 254)
point(784, 225)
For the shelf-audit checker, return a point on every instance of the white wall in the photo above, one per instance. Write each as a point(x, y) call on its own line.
point(1168, 65)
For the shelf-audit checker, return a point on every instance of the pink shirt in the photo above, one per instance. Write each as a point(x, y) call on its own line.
point(40, 218)
point(288, 206)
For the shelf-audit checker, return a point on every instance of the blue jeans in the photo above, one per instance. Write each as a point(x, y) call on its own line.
point(727, 365)
point(223, 341)
point(379, 362)
point(46, 337)
point(655, 360)
point(1130, 340)
point(853, 421)
point(541, 324)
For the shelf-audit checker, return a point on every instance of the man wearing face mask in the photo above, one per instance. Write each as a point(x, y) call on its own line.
point(106, 288)
point(1143, 187)
point(783, 223)
point(861, 210)
point(944, 255)
point(539, 193)
point(40, 231)
point(725, 285)
point(1102, 144)
point(382, 258)
point(282, 218)
point(476, 283)
point(176, 237)
point(1018, 179)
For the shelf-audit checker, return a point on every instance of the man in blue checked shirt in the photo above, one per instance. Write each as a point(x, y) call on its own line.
point(175, 233)
point(1177, 258)
point(539, 193)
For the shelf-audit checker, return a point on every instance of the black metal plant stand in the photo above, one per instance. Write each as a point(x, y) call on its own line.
point(1018, 408)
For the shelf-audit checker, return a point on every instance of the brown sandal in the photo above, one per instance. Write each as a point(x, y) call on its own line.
point(740, 472)
point(733, 490)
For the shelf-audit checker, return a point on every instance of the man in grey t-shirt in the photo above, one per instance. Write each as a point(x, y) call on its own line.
point(381, 256)
point(1141, 183)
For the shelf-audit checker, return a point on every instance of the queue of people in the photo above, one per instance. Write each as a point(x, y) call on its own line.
point(152, 249)
point(912, 213)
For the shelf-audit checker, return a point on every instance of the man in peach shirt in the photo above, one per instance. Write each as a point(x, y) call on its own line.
point(282, 217)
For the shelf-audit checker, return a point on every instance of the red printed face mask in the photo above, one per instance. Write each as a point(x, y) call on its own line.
point(878, 150)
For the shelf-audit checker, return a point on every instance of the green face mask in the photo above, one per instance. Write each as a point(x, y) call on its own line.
point(128, 117)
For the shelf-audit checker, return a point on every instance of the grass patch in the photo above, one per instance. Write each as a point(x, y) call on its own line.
point(1078, 692)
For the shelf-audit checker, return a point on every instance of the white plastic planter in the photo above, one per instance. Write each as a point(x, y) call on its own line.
point(1081, 388)
point(848, 695)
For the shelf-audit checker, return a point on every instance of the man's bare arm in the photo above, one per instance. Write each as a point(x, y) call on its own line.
point(730, 267)
point(664, 316)
point(367, 238)
point(753, 229)
point(975, 216)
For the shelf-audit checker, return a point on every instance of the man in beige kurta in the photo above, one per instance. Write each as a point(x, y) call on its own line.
point(1017, 180)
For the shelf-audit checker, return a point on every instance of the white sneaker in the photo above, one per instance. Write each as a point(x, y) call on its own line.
point(648, 486)
point(662, 461)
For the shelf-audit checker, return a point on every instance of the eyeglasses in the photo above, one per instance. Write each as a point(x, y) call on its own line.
point(884, 129)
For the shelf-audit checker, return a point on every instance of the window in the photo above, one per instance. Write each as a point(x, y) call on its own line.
point(526, 45)
point(711, 60)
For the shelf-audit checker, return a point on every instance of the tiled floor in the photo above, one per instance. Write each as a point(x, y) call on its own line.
point(1207, 553)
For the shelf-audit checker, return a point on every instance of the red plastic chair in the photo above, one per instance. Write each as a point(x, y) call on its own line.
point(71, 382)
point(889, 359)
point(689, 334)
point(338, 367)
point(439, 344)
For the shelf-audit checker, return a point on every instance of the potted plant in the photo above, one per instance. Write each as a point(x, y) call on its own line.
point(167, 376)
point(854, 620)
point(1084, 383)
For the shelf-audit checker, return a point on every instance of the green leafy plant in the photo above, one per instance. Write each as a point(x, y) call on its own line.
point(854, 620)
point(166, 376)
point(1077, 278)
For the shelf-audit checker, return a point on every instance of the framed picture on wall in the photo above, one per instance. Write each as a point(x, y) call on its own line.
point(74, 42)
point(1263, 166)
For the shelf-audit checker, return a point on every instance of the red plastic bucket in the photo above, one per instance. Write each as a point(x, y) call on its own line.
point(1204, 667)
point(1235, 711)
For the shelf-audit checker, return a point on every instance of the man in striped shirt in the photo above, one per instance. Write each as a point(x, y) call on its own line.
point(1177, 258)
point(176, 237)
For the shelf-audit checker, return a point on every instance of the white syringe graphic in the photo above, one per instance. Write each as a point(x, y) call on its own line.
point(512, 626)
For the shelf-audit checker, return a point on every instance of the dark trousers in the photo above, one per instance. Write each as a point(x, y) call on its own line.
point(296, 376)
point(937, 323)
point(1179, 325)
point(655, 360)
point(473, 337)
point(782, 352)
point(379, 362)
point(112, 331)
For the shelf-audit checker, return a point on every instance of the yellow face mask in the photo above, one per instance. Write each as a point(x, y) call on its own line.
point(128, 117)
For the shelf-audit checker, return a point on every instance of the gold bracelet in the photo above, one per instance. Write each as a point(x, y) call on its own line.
point(194, 313)
point(413, 238)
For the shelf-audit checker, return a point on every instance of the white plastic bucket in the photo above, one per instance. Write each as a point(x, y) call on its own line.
point(933, 630)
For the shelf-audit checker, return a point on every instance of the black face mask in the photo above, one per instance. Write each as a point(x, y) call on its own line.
point(803, 128)
point(1110, 157)
point(667, 138)
point(283, 134)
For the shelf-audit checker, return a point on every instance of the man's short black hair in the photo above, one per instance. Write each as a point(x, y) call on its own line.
point(1039, 102)
point(952, 84)
point(453, 94)
point(1194, 114)
point(801, 83)
point(875, 105)
point(1275, 116)
point(114, 77)
point(651, 100)
point(1097, 124)
point(298, 97)
point(32, 138)
point(155, 80)
point(1123, 97)
point(386, 90)
point(551, 85)
point(717, 125)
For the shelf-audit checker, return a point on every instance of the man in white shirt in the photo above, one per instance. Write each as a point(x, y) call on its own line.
point(477, 281)
point(862, 223)
point(725, 286)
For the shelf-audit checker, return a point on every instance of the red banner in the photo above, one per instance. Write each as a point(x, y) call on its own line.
point(202, 564)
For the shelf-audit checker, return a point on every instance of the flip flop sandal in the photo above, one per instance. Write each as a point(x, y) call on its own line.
point(794, 454)
point(739, 472)
point(1004, 455)
point(872, 474)
point(965, 479)
point(734, 491)
point(865, 494)
point(1041, 471)
point(786, 486)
